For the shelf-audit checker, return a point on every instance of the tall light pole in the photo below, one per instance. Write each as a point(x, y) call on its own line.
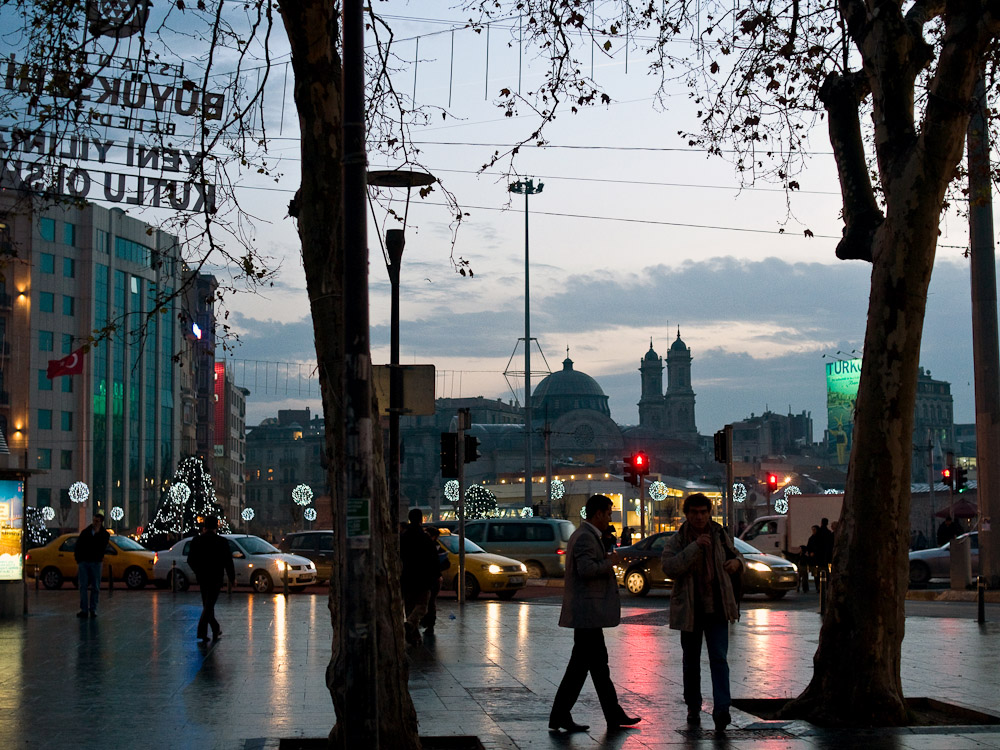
point(527, 188)
point(395, 240)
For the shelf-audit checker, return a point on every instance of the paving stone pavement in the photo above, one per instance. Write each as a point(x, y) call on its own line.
point(136, 677)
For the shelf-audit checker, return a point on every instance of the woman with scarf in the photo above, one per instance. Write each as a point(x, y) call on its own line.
point(700, 558)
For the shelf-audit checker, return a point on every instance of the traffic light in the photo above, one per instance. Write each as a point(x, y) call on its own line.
point(449, 455)
point(721, 452)
point(471, 449)
point(772, 483)
point(947, 475)
point(631, 475)
point(959, 478)
point(640, 461)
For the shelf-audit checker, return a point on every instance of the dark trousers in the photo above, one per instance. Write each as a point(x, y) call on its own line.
point(88, 576)
point(209, 596)
point(428, 620)
point(716, 634)
point(589, 655)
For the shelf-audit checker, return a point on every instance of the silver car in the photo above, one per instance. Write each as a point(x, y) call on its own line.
point(258, 564)
point(931, 563)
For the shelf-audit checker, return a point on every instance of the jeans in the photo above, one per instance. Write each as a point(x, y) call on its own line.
point(716, 633)
point(88, 577)
point(209, 596)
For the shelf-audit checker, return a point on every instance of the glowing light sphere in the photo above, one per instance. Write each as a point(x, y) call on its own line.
point(310, 514)
point(479, 502)
point(781, 505)
point(48, 513)
point(658, 491)
point(739, 492)
point(583, 512)
point(247, 514)
point(117, 513)
point(451, 490)
point(558, 489)
point(79, 492)
point(526, 512)
point(792, 490)
point(179, 493)
point(302, 494)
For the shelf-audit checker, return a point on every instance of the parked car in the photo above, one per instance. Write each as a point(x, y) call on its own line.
point(931, 563)
point(258, 564)
point(639, 569)
point(540, 543)
point(128, 561)
point(315, 545)
point(489, 573)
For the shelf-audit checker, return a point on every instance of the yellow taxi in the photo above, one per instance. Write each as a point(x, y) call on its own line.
point(54, 563)
point(484, 571)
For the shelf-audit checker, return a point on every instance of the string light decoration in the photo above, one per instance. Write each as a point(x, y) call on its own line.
point(831, 492)
point(479, 503)
point(79, 492)
point(191, 496)
point(583, 512)
point(117, 513)
point(48, 513)
point(781, 505)
point(451, 491)
point(309, 514)
point(247, 514)
point(739, 492)
point(658, 491)
point(557, 488)
point(34, 526)
point(302, 494)
point(792, 490)
point(526, 512)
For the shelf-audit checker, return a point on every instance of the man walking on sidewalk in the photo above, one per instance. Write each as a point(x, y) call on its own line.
point(210, 558)
point(590, 603)
point(89, 556)
point(699, 559)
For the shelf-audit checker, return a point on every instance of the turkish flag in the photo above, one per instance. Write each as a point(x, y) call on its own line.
point(71, 364)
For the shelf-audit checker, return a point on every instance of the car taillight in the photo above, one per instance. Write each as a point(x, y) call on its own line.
point(560, 552)
point(156, 557)
point(27, 556)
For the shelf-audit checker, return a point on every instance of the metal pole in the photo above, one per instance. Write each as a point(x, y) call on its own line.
point(642, 510)
point(527, 360)
point(361, 717)
point(728, 430)
point(463, 423)
point(986, 351)
point(981, 597)
point(394, 243)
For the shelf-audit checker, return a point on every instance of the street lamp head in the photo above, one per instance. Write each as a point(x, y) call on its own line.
point(400, 178)
point(526, 187)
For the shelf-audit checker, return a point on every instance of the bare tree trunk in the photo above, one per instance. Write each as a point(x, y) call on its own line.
point(313, 32)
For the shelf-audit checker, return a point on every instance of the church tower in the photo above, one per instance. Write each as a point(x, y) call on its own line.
point(652, 407)
point(679, 398)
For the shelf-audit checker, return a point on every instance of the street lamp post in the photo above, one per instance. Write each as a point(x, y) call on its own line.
point(395, 240)
point(527, 188)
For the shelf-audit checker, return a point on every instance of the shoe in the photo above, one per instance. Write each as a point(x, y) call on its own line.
point(694, 717)
point(203, 637)
point(82, 613)
point(93, 614)
point(623, 720)
point(216, 635)
point(429, 630)
point(568, 724)
point(721, 720)
point(412, 635)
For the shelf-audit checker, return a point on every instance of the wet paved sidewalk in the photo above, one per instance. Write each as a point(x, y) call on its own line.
point(136, 677)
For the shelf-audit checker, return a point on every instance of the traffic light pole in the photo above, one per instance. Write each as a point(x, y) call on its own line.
point(463, 424)
point(642, 510)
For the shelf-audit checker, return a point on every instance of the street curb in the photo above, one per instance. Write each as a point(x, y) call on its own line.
point(553, 582)
point(951, 595)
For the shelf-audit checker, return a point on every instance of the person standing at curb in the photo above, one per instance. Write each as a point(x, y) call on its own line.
point(590, 604)
point(209, 558)
point(421, 570)
point(700, 558)
point(89, 556)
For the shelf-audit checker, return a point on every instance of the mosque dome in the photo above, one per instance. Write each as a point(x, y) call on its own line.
point(568, 390)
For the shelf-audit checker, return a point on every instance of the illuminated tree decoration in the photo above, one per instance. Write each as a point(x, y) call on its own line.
point(451, 491)
point(302, 495)
point(526, 512)
point(247, 514)
point(658, 491)
point(179, 493)
point(479, 502)
point(48, 513)
point(34, 526)
point(739, 492)
point(117, 513)
point(79, 492)
point(792, 490)
point(583, 512)
point(310, 514)
point(557, 488)
point(781, 505)
point(831, 492)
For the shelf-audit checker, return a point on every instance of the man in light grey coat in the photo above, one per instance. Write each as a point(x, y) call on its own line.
point(590, 603)
point(699, 559)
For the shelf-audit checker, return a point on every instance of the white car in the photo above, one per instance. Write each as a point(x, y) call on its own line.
point(258, 564)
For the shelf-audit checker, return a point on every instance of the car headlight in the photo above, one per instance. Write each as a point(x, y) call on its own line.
point(759, 566)
point(795, 568)
point(312, 566)
point(494, 569)
point(280, 565)
point(524, 568)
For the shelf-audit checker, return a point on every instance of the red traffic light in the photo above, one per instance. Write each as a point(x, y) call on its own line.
point(639, 460)
point(946, 475)
point(772, 482)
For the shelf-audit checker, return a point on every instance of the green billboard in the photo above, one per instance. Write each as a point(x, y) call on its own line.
point(842, 379)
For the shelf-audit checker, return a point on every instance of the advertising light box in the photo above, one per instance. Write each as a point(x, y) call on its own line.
point(842, 381)
point(11, 524)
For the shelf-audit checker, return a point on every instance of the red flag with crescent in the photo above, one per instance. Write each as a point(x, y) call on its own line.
point(71, 364)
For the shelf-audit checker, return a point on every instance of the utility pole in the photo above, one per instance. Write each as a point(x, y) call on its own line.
point(986, 351)
point(930, 481)
point(464, 423)
point(729, 478)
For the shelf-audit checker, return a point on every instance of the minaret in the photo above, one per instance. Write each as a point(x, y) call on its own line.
point(651, 404)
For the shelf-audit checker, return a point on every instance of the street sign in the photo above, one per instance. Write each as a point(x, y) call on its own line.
point(418, 389)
